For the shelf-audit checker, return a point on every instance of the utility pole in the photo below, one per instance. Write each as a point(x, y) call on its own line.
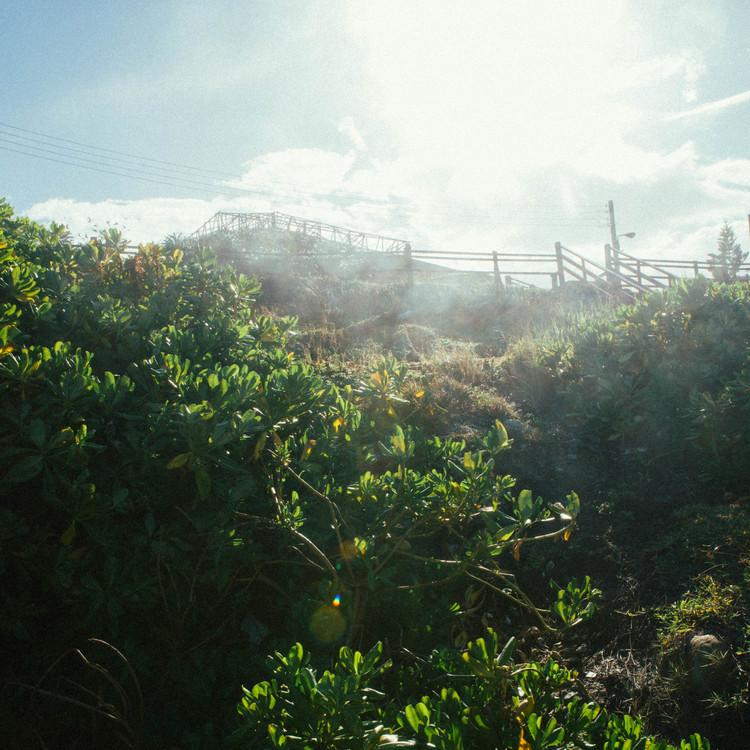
point(613, 238)
point(612, 229)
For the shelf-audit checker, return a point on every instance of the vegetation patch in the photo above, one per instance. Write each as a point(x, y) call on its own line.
point(452, 551)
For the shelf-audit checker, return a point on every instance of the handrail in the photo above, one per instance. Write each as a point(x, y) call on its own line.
point(622, 273)
point(607, 273)
point(225, 222)
point(618, 254)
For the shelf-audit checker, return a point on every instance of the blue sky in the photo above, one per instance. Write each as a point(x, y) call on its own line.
point(459, 126)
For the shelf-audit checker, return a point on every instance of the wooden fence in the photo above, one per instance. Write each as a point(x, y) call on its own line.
point(285, 239)
point(621, 275)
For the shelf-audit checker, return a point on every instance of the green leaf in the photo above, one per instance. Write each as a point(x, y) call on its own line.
point(68, 535)
point(276, 735)
point(525, 505)
point(411, 716)
point(37, 432)
point(26, 469)
point(179, 461)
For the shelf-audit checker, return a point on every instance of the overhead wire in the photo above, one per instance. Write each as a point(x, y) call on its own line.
point(287, 189)
point(167, 173)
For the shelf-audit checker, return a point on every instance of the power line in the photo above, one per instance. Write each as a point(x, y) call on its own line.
point(170, 180)
point(105, 164)
point(519, 214)
point(175, 167)
point(111, 151)
point(87, 152)
point(96, 169)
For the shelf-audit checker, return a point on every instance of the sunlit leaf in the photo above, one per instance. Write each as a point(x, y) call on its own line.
point(399, 444)
point(179, 461)
point(308, 450)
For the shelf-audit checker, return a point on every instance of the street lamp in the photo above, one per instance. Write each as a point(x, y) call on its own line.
point(616, 242)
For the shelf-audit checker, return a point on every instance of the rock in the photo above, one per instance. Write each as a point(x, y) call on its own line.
point(709, 662)
point(515, 426)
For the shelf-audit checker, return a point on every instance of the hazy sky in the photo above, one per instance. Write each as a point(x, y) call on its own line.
point(456, 125)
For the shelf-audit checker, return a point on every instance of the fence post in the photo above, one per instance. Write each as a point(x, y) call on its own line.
point(695, 268)
point(560, 266)
point(616, 265)
point(608, 263)
point(496, 272)
point(408, 264)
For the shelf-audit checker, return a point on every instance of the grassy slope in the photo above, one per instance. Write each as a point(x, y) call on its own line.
point(640, 410)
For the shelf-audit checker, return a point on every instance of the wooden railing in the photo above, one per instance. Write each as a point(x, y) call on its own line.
point(621, 276)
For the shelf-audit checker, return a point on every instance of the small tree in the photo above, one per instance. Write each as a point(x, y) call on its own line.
point(726, 262)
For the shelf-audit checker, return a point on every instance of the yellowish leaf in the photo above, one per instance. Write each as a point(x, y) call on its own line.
point(68, 535)
point(567, 533)
point(260, 445)
point(525, 707)
point(522, 743)
point(517, 551)
point(469, 462)
point(399, 444)
point(419, 394)
point(338, 424)
point(179, 461)
point(308, 450)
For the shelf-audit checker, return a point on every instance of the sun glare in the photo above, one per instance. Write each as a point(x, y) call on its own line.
point(518, 87)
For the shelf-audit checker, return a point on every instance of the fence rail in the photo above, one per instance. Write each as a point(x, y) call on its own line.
point(622, 275)
point(234, 223)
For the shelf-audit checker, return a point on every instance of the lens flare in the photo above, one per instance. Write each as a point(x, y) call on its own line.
point(327, 624)
point(337, 600)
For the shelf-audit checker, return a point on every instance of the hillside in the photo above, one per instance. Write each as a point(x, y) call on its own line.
point(531, 535)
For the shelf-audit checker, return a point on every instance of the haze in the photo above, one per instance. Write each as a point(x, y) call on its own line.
point(471, 126)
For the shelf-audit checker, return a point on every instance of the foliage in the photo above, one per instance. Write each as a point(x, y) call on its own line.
point(708, 606)
point(478, 699)
point(721, 428)
point(181, 494)
point(165, 454)
point(726, 263)
point(662, 378)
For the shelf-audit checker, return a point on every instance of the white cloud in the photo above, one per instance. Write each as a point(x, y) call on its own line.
point(711, 107)
point(146, 220)
point(349, 129)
